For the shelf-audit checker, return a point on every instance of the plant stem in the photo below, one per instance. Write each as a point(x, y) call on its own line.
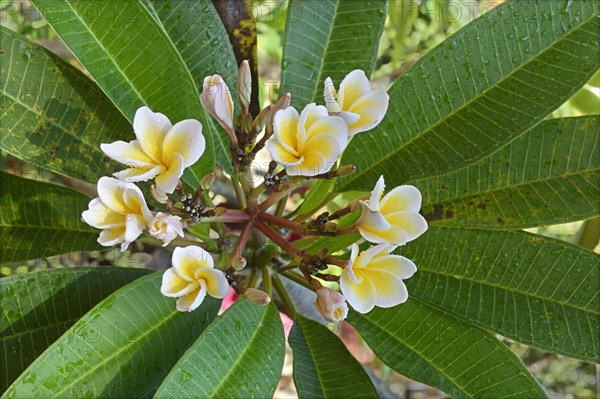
point(252, 278)
point(295, 277)
point(242, 241)
point(281, 206)
point(286, 301)
point(239, 191)
point(266, 277)
point(276, 238)
point(282, 222)
point(272, 199)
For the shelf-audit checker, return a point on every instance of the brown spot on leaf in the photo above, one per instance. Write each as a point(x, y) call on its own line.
point(482, 205)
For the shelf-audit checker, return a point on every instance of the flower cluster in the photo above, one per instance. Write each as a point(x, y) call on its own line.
point(303, 145)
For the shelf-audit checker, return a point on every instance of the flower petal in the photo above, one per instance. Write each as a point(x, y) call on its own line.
point(372, 108)
point(377, 193)
point(136, 203)
point(130, 154)
point(216, 282)
point(330, 96)
point(349, 117)
point(110, 191)
point(413, 223)
point(134, 226)
point(139, 173)
point(285, 126)
point(365, 257)
point(361, 296)
point(150, 129)
point(397, 265)
point(189, 259)
point(280, 154)
point(327, 145)
point(313, 163)
point(110, 237)
point(402, 198)
point(372, 220)
point(309, 116)
point(186, 139)
point(174, 286)
point(393, 235)
point(353, 87)
point(331, 126)
point(390, 290)
point(99, 216)
point(191, 301)
point(216, 98)
point(167, 181)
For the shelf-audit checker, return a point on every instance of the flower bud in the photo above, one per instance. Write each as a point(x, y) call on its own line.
point(261, 120)
point(207, 181)
point(283, 102)
point(216, 99)
point(238, 263)
point(257, 297)
point(220, 211)
point(331, 227)
point(158, 194)
point(331, 304)
point(346, 170)
point(244, 85)
point(166, 227)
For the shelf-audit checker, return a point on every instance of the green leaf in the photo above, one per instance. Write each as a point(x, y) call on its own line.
point(40, 306)
point(323, 367)
point(485, 85)
point(316, 197)
point(196, 30)
point(328, 39)
point(41, 219)
point(123, 347)
point(548, 175)
point(332, 243)
point(532, 289)
point(240, 355)
point(53, 116)
point(132, 59)
point(437, 349)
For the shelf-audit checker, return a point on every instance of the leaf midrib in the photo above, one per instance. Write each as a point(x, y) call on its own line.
point(108, 359)
point(516, 290)
point(465, 105)
point(510, 187)
point(224, 378)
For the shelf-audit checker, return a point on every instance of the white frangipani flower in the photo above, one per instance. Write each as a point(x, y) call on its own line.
point(307, 144)
point(216, 99)
point(374, 278)
point(161, 151)
point(120, 211)
point(361, 107)
point(192, 277)
point(393, 219)
point(166, 227)
point(331, 304)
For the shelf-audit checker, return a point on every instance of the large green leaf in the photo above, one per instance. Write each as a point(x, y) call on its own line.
point(548, 175)
point(434, 347)
point(52, 114)
point(123, 347)
point(323, 367)
point(41, 219)
point(240, 355)
point(485, 85)
point(328, 39)
point(132, 59)
point(198, 34)
point(39, 307)
point(533, 289)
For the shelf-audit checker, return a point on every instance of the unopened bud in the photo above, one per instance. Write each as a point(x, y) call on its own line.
point(244, 85)
point(158, 194)
point(261, 120)
point(331, 227)
point(257, 297)
point(355, 206)
point(346, 170)
point(216, 99)
point(285, 186)
point(283, 102)
point(220, 211)
point(238, 262)
point(207, 181)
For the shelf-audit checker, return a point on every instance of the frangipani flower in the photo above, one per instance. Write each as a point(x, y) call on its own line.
point(331, 304)
point(193, 276)
point(393, 219)
point(120, 211)
point(216, 99)
point(166, 227)
point(308, 144)
point(161, 150)
point(361, 107)
point(374, 278)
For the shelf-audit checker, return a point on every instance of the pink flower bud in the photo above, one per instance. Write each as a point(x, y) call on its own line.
point(331, 304)
point(166, 227)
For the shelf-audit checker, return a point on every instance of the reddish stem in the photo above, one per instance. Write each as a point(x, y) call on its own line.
point(282, 222)
point(277, 239)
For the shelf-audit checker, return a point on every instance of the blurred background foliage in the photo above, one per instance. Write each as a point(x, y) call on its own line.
point(413, 27)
